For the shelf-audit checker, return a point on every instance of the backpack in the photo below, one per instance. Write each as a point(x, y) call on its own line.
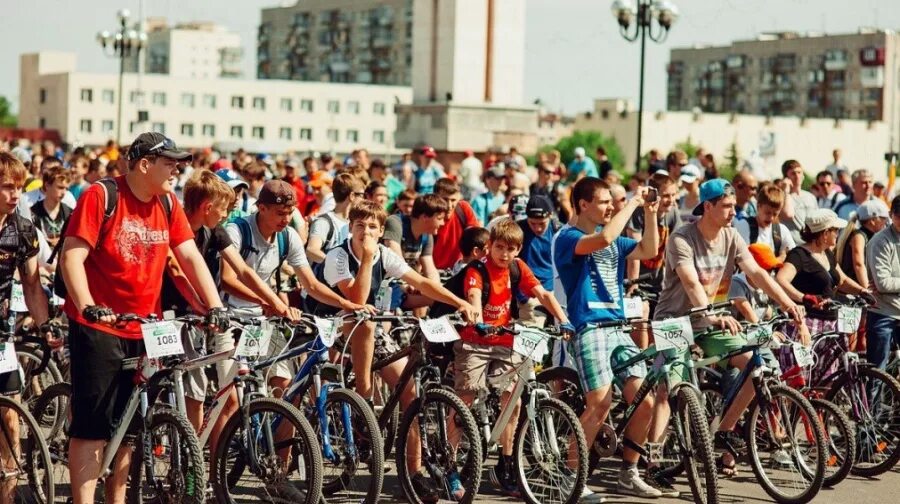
point(329, 235)
point(318, 308)
point(455, 284)
point(247, 247)
point(776, 234)
point(462, 216)
point(111, 188)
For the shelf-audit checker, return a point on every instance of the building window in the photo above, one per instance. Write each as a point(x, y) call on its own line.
point(187, 129)
point(332, 135)
point(306, 105)
point(237, 102)
point(106, 126)
point(209, 130)
point(334, 107)
point(305, 133)
point(187, 100)
point(258, 132)
point(209, 101)
point(378, 136)
point(87, 95)
point(378, 108)
point(85, 126)
point(108, 96)
point(42, 123)
point(352, 136)
point(132, 126)
point(259, 103)
point(134, 96)
point(353, 107)
point(43, 95)
point(237, 132)
point(287, 104)
point(159, 98)
point(284, 133)
point(159, 127)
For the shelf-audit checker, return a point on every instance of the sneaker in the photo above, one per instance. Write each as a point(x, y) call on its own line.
point(730, 441)
point(630, 483)
point(425, 488)
point(665, 485)
point(782, 458)
point(589, 496)
point(455, 486)
point(509, 486)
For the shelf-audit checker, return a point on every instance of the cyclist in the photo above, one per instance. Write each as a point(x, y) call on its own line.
point(460, 217)
point(764, 226)
point(473, 246)
point(701, 259)
point(330, 229)
point(883, 260)
point(590, 257)
point(538, 228)
point(116, 265)
point(51, 213)
point(412, 237)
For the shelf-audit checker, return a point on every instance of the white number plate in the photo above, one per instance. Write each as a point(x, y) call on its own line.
point(848, 319)
point(17, 302)
point(530, 343)
point(759, 335)
point(673, 333)
point(254, 340)
point(633, 307)
point(328, 331)
point(162, 339)
point(802, 355)
point(438, 330)
point(8, 360)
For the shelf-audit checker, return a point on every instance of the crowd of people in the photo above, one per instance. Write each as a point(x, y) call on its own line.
point(150, 227)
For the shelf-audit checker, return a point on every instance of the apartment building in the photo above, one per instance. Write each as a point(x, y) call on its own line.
point(200, 50)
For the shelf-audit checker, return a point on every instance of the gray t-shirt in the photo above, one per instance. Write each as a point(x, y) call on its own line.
point(714, 262)
point(740, 289)
point(329, 224)
point(399, 229)
point(263, 257)
point(804, 203)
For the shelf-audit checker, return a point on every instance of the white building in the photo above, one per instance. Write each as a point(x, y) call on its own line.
point(259, 115)
point(198, 50)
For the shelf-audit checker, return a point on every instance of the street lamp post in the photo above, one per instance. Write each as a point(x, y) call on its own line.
point(638, 22)
point(122, 44)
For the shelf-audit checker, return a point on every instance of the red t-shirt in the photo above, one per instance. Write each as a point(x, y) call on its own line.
point(446, 241)
point(125, 270)
point(497, 310)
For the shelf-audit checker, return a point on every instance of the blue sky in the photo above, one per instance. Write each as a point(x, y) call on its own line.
point(573, 50)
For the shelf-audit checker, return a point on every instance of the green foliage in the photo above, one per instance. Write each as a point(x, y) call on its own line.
point(7, 118)
point(731, 163)
point(688, 147)
point(590, 140)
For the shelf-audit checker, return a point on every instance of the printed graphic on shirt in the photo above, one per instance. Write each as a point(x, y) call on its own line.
point(607, 262)
point(136, 243)
point(710, 270)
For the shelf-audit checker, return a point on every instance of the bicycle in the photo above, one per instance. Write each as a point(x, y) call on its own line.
point(547, 430)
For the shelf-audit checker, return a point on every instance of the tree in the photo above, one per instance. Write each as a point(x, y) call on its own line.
point(732, 162)
point(7, 118)
point(590, 140)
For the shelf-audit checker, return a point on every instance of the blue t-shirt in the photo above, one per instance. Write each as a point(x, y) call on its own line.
point(426, 178)
point(593, 283)
point(536, 254)
point(485, 204)
point(586, 165)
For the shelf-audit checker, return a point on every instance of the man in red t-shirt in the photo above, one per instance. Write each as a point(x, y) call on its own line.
point(115, 266)
point(460, 218)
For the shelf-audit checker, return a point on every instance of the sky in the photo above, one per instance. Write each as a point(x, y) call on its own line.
point(573, 50)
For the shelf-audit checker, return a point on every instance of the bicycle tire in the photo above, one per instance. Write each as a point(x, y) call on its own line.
point(696, 447)
point(53, 418)
point(838, 395)
point(304, 458)
point(37, 464)
point(51, 408)
point(527, 426)
point(840, 435)
point(368, 439)
point(33, 386)
point(186, 480)
point(803, 413)
point(470, 473)
point(389, 431)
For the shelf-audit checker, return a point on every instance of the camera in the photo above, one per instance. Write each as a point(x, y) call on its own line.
point(652, 195)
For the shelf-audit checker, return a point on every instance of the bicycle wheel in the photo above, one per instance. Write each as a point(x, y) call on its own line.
point(353, 461)
point(28, 469)
point(389, 431)
point(787, 446)
point(840, 438)
point(51, 414)
point(670, 462)
point(440, 455)
point(269, 455)
point(35, 385)
point(179, 473)
point(550, 454)
point(872, 401)
point(691, 431)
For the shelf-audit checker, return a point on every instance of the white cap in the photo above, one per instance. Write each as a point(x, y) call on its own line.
point(579, 152)
point(689, 173)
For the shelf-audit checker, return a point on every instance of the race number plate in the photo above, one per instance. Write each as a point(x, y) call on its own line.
point(802, 355)
point(675, 333)
point(759, 335)
point(438, 330)
point(17, 301)
point(848, 319)
point(162, 339)
point(530, 343)
point(328, 330)
point(633, 307)
point(8, 360)
point(254, 340)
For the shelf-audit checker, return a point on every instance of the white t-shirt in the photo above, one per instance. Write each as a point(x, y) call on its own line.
point(31, 197)
point(339, 229)
point(765, 235)
point(337, 264)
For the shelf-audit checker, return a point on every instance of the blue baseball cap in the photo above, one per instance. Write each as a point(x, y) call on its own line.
point(710, 190)
point(231, 178)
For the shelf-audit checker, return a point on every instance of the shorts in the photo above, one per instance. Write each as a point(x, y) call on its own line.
point(100, 387)
point(196, 381)
point(596, 354)
point(531, 313)
point(720, 343)
point(474, 363)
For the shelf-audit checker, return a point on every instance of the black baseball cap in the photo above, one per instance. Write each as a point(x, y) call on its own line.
point(156, 144)
point(539, 207)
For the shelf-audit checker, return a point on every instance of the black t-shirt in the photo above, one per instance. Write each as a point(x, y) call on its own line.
point(52, 227)
point(18, 244)
point(847, 256)
point(812, 278)
point(211, 243)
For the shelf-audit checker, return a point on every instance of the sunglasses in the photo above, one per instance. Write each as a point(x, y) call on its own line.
point(165, 144)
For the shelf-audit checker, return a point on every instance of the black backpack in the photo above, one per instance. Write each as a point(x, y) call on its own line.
point(111, 188)
point(320, 309)
point(455, 284)
point(776, 234)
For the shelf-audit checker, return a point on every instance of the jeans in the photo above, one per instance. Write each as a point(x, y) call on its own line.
point(881, 330)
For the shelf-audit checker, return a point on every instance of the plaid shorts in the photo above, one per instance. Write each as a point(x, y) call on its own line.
point(595, 357)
